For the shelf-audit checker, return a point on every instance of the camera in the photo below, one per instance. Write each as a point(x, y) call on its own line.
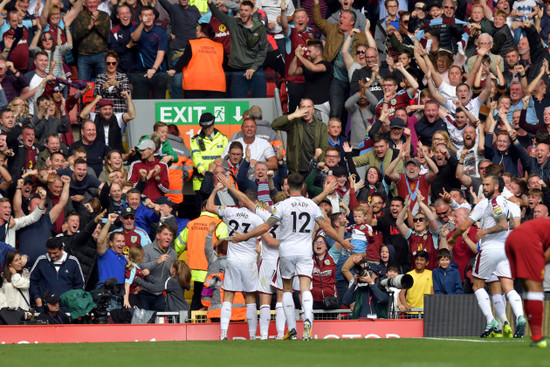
point(402, 281)
point(108, 290)
point(361, 270)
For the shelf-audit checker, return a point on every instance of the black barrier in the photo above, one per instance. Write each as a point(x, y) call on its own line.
point(452, 315)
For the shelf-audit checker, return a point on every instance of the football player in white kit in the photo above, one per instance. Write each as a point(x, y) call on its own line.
point(493, 214)
point(241, 271)
point(296, 216)
point(268, 264)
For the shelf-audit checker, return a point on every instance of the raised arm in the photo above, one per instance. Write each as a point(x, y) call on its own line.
point(103, 238)
point(400, 221)
point(58, 208)
point(239, 195)
point(412, 81)
point(389, 172)
point(348, 59)
point(433, 90)
point(85, 113)
point(432, 222)
point(210, 206)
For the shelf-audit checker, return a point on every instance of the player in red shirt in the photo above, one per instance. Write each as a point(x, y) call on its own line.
point(528, 250)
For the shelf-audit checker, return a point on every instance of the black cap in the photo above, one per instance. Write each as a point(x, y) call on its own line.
point(164, 200)
point(50, 298)
point(127, 211)
point(207, 119)
point(397, 122)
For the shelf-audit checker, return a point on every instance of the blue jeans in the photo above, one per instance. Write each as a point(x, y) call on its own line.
point(152, 302)
point(339, 93)
point(90, 66)
point(240, 86)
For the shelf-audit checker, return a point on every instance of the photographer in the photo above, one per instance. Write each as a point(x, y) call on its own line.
point(371, 300)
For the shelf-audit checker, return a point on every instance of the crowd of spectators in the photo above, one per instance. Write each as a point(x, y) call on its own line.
point(395, 115)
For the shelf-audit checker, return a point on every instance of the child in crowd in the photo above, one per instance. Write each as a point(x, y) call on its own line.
point(423, 284)
point(361, 235)
point(446, 277)
point(133, 270)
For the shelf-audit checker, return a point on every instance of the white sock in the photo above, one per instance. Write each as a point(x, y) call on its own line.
point(225, 317)
point(484, 303)
point(307, 305)
point(280, 319)
point(265, 318)
point(288, 306)
point(499, 301)
point(252, 319)
point(515, 303)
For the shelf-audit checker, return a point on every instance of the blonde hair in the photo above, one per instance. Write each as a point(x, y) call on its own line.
point(135, 255)
point(447, 141)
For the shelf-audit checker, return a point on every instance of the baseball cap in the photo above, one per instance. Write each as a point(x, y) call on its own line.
point(127, 211)
point(50, 298)
point(414, 161)
point(146, 144)
point(397, 122)
point(164, 200)
point(105, 102)
point(207, 119)
point(420, 5)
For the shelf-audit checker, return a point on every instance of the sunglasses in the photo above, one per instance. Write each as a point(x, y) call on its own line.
point(47, 38)
point(418, 220)
point(57, 90)
point(132, 217)
point(319, 242)
point(110, 62)
point(360, 52)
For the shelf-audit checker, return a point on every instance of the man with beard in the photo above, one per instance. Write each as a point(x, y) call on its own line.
point(81, 181)
point(430, 123)
point(493, 214)
point(445, 178)
point(456, 124)
point(411, 181)
point(109, 125)
point(470, 155)
point(387, 225)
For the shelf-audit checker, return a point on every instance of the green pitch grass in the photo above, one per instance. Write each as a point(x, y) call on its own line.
point(334, 353)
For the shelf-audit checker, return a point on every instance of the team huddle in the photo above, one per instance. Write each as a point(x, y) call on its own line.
point(287, 250)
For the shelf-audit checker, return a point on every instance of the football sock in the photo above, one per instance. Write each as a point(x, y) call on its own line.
point(225, 317)
point(252, 319)
point(307, 305)
point(515, 303)
point(280, 319)
point(534, 309)
point(499, 301)
point(265, 317)
point(484, 304)
point(288, 306)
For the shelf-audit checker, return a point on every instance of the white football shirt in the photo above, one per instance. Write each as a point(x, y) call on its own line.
point(240, 220)
point(297, 216)
point(269, 252)
point(486, 213)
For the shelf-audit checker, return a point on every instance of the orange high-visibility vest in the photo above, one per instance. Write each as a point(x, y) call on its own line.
point(204, 71)
point(196, 235)
point(175, 179)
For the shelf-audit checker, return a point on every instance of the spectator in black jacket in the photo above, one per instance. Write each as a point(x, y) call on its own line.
point(55, 271)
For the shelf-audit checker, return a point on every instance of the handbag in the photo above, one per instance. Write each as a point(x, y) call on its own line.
point(330, 302)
